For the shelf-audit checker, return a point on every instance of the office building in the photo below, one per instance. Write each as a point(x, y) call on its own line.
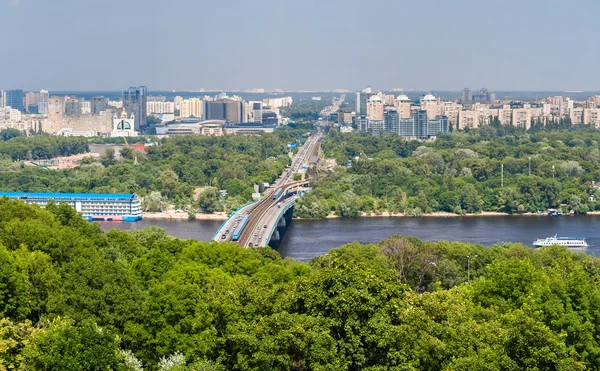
point(14, 99)
point(125, 207)
point(226, 109)
point(135, 101)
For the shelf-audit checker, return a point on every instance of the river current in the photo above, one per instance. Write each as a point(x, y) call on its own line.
point(306, 239)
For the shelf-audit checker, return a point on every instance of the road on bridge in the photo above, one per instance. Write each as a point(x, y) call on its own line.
point(266, 211)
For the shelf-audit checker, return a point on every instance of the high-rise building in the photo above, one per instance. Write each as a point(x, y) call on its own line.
point(467, 96)
point(403, 106)
point(13, 99)
point(362, 99)
point(99, 104)
point(226, 109)
point(375, 108)
point(72, 106)
point(191, 107)
point(521, 117)
point(468, 119)
point(33, 100)
point(85, 107)
point(254, 111)
point(30, 99)
point(135, 101)
point(418, 126)
point(160, 107)
point(56, 107)
point(430, 104)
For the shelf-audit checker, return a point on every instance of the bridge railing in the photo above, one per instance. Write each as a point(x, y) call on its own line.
point(274, 226)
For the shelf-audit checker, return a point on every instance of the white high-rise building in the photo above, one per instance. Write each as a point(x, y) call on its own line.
point(191, 107)
point(86, 107)
point(157, 107)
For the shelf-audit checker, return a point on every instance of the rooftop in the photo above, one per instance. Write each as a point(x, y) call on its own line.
point(65, 195)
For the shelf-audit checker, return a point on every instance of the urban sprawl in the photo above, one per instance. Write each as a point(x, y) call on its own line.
point(374, 113)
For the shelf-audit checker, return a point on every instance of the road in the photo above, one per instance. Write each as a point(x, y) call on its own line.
point(255, 233)
point(261, 210)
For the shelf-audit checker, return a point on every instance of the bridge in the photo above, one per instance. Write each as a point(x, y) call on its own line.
point(261, 223)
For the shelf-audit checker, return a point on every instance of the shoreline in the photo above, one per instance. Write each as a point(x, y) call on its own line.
point(440, 214)
point(221, 216)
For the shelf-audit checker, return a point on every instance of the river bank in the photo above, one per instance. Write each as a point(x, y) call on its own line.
point(184, 216)
point(437, 214)
point(221, 216)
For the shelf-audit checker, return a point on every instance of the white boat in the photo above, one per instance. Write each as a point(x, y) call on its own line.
point(578, 242)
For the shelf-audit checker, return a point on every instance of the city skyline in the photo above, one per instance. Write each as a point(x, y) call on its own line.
point(299, 45)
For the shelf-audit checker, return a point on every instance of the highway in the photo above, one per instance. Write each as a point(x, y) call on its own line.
point(265, 210)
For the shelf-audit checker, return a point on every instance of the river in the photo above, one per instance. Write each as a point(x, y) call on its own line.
point(306, 239)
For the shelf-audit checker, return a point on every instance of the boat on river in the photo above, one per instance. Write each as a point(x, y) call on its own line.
point(571, 242)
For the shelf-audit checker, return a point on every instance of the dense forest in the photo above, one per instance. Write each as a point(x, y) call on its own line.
point(168, 173)
point(75, 298)
point(460, 172)
point(15, 146)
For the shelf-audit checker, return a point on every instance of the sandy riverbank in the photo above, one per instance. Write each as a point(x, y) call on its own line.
point(184, 216)
point(437, 214)
point(221, 216)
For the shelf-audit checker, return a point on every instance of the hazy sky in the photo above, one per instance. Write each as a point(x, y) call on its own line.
point(300, 44)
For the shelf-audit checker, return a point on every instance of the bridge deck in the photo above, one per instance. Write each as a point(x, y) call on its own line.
point(265, 213)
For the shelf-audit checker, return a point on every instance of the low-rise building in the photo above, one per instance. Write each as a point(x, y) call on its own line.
point(125, 207)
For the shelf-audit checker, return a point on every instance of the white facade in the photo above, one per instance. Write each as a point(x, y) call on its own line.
point(123, 126)
point(277, 102)
point(191, 107)
point(160, 107)
point(86, 108)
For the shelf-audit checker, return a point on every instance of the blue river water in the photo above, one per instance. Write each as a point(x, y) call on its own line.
point(306, 239)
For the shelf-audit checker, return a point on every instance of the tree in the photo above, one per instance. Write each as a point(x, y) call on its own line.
point(153, 202)
point(208, 201)
point(63, 346)
point(108, 157)
point(127, 153)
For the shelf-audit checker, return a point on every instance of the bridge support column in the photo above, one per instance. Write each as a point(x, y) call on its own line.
point(275, 238)
point(282, 223)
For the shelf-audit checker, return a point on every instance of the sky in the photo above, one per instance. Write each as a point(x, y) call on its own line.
point(86, 45)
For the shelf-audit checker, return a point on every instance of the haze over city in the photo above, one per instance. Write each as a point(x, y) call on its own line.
point(300, 45)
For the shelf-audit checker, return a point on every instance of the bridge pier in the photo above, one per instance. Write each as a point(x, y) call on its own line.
point(282, 227)
point(275, 238)
point(281, 223)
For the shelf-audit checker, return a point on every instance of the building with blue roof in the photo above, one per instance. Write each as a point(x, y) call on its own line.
point(93, 206)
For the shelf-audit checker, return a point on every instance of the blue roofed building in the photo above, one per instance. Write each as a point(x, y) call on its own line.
point(125, 207)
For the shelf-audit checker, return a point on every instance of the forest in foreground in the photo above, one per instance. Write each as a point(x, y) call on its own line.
point(73, 297)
